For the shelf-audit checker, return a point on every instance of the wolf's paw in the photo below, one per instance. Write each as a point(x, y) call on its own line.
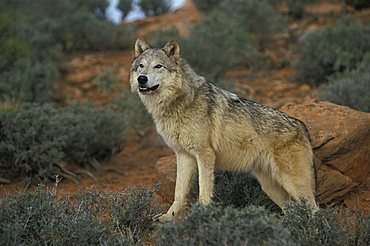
point(163, 218)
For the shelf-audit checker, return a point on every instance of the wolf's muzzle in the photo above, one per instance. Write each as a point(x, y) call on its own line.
point(143, 85)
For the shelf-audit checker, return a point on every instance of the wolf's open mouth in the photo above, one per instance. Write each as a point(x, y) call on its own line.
point(146, 89)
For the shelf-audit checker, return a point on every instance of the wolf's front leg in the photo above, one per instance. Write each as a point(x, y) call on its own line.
point(185, 168)
point(206, 166)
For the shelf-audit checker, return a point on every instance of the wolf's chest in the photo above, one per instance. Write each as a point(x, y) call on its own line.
point(178, 135)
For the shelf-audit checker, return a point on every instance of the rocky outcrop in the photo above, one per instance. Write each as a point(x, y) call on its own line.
point(341, 142)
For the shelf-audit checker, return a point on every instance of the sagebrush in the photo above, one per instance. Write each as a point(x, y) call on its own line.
point(37, 35)
point(231, 35)
point(30, 145)
point(126, 218)
point(28, 82)
point(251, 225)
point(130, 106)
point(351, 89)
point(93, 134)
point(91, 218)
point(333, 49)
point(36, 138)
point(206, 5)
point(212, 225)
point(106, 81)
point(327, 226)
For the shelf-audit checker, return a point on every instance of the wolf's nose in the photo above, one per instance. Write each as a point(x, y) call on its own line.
point(142, 79)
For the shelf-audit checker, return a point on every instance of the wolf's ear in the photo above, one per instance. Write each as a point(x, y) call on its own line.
point(140, 46)
point(172, 49)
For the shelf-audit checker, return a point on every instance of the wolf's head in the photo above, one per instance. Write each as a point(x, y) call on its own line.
point(151, 68)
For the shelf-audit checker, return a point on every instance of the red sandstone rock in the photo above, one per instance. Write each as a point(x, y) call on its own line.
point(341, 140)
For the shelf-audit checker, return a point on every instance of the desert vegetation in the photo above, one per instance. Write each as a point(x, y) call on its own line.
point(36, 35)
point(215, 225)
point(48, 140)
point(91, 218)
point(333, 50)
point(36, 138)
point(36, 134)
point(126, 218)
point(241, 30)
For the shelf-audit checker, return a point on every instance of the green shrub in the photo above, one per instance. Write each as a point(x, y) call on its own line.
point(92, 134)
point(28, 82)
point(106, 81)
point(68, 24)
point(154, 7)
point(34, 139)
point(125, 37)
point(333, 49)
point(133, 216)
point(237, 189)
point(78, 32)
point(206, 5)
point(35, 35)
point(326, 226)
point(30, 145)
point(215, 45)
point(351, 89)
point(260, 18)
point(159, 38)
point(42, 37)
point(231, 35)
point(213, 225)
point(12, 49)
point(129, 105)
point(358, 4)
point(36, 218)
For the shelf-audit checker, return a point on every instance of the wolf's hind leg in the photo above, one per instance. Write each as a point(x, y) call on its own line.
point(273, 189)
point(300, 188)
point(186, 165)
point(296, 175)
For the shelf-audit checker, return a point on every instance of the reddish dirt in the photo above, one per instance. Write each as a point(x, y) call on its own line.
point(181, 19)
point(80, 71)
point(274, 88)
point(326, 8)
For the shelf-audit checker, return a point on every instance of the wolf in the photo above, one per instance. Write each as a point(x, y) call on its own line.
point(209, 128)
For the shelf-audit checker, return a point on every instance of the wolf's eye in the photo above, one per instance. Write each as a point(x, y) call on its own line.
point(141, 65)
point(158, 66)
